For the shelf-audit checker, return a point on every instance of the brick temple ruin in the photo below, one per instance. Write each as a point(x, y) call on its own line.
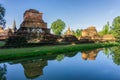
point(33, 28)
point(5, 33)
point(69, 37)
point(89, 34)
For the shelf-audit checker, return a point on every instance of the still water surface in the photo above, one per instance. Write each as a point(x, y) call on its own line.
point(99, 64)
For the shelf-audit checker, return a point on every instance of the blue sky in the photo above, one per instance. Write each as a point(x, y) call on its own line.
point(75, 13)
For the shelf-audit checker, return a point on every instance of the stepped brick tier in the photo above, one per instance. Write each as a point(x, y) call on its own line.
point(33, 18)
point(34, 28)
point(69, 38)
point(33, 22)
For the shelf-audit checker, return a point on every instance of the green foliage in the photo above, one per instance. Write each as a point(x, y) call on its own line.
point(77, 33)
point(115, 29)
point(105, 30)
point(2, 14)
point(58, 26)
point(107, 51)
point(116, 54)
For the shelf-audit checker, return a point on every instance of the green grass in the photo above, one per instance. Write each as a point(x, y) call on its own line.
point(19, 53)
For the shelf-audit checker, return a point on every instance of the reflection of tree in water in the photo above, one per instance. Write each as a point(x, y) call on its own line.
point(90, 55)
point(60, 57)
point(3, 71)
point(107, 52)
point(71, 54)
point(116, 54)
point(34, 68)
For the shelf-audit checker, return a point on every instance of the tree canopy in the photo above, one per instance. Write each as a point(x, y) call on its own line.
point(77, 33)
point(116, 27)
point(105, 30)
point(58, 26)
point(2, 15)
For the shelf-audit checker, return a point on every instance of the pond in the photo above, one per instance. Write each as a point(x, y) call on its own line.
point(99, 64)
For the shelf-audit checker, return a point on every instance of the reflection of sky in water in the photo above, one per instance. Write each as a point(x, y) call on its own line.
point(15, 72)
point(75, 69)
point(72, 68)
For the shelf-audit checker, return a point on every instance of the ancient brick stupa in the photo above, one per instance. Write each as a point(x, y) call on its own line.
point(69, 32)
point(90, 31)
point(69, 37)
point(33, 27)
point(89, 34)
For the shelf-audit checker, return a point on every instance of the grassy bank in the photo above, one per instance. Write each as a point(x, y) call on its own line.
point(19, 53)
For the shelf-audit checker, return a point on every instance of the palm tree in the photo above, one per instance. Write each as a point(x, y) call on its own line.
point(2, 15)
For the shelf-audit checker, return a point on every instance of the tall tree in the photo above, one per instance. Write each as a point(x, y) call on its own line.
point(105, 30)
point(2, 14)
point(77, 33)
point(58, 26)
point(116, 27)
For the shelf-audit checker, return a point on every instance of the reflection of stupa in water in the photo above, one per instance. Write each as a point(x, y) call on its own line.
point(90, 55)
point(34, 68)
